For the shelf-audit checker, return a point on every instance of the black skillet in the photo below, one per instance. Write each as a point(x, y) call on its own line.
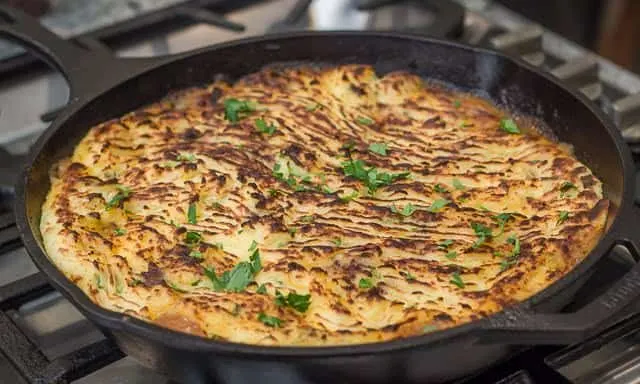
point(104, 87)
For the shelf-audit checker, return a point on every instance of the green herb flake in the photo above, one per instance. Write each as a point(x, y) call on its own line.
point(566, 187)
point(440, 188)
point(516, 245)
point(312, 107)
point(122, 194)
point(175, 287)
point(408, 276)
point(337, 241)
point(191, 214)
point(262, 127)
point(119, 231)
point(445, 244)
point(195, 282)
point(407, 211)
point(457, 280)
point(349, 197)
point(196, 254)
point(253, 246)
point(262, 289)
point(509, 126)
point(371, 177)
point(482, 232)
point(235, 109)
point(365, 283)
point(457, 185)
point(438, 204)
point(269, 321)
point(298, 302)
point(186, 157)
point(364, 121)
point(292, 231)
point(98, 279)
point(457, 103)
point(502, 220)
point(238, 278)
point(192, 238)
point(378, 148)
point(562, 217)
point(451, 255)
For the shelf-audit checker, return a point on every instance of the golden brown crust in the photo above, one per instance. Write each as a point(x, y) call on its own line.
point(318, 230)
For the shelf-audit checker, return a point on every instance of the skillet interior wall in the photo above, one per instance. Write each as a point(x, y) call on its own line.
point(517, 89)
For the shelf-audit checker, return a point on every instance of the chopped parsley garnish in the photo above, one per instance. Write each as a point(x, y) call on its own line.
point(509, 126)
point(440, 188)
point(119, 231)
point(262, 289)
point(409, 276)
point(444, 244)
point(191, 214)
point(98, 281)
point(196, 254)
point(292, 231)
point(482, 232)
point(337, 241)
point(371, 177)
point(512, 258)
point(566, 187)
point(269, 321)
point(365, 283)
point(364, 121)
point(312, 107)
point(175, 287)
point(253, 246)
point(407, 211)
point(186, 157)
point(451, 255)
point(195, 282)
point(464, 124)
point(438, 204)
point(457, 103)
point(457, 280)
point(458, 185)
point(235, 109)
point(192, 237)
point(502, 220)
point(298, 302)
point(239, 277)
point(349, 197)
point(378, 148)
point(292, 175)
point(562, 217)
point(123, 193)
point(516, 245)
point(262, 127)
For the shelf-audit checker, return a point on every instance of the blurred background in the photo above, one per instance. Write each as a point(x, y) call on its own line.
point(608, 27)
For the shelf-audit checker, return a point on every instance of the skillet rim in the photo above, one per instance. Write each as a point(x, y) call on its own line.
point(116, 321)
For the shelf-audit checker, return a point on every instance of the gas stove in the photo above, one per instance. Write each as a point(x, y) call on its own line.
point(43, 339)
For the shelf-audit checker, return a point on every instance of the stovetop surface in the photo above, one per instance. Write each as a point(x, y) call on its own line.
point(60, 332)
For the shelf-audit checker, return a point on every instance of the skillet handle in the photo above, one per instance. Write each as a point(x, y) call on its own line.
point(86, 65)
point(520, 325)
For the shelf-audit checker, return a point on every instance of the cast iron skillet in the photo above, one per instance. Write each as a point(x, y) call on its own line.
point(103, 87)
